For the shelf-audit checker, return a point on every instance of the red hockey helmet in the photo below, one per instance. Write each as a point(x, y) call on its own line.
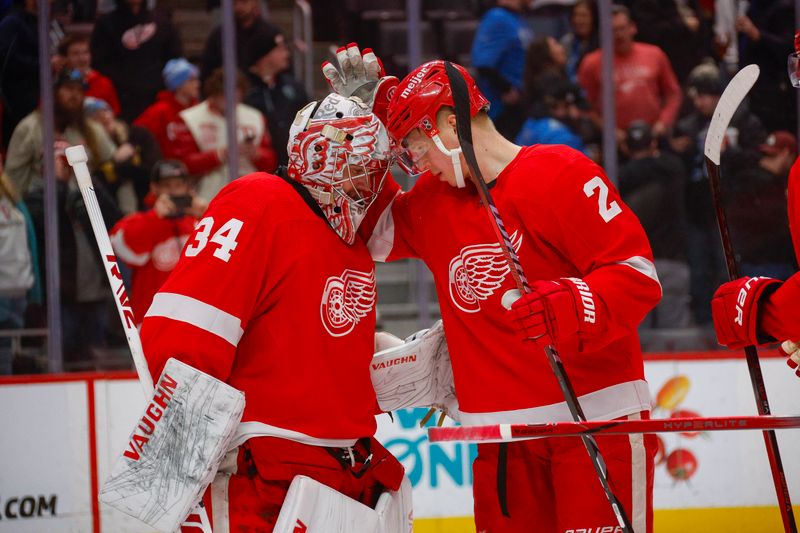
point(421, 94)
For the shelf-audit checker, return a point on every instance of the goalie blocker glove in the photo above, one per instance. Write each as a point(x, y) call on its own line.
point(361, 74)
point(734, 308)
point(558, 311)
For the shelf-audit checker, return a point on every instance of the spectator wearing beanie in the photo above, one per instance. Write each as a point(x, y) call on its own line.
point(162, 118)
point(273, 89)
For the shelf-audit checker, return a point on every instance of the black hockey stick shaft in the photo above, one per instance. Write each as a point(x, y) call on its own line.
point(458, 86)
point(753, 363)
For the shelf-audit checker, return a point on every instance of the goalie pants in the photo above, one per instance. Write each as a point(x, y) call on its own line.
point(249, 489)
point(551, 486)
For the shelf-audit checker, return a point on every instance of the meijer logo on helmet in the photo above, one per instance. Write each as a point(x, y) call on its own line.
point(413, 82)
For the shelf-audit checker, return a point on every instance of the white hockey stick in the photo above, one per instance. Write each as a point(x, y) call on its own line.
point(76, 157)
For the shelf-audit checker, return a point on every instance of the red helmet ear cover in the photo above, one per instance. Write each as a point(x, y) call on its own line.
point(421, 94)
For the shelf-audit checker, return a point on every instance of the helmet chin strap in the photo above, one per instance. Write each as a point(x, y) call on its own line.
point(455, 157)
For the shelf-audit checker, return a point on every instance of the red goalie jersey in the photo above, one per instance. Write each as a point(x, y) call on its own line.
point(268, 299)
point(566, 220)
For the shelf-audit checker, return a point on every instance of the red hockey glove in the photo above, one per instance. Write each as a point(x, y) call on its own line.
point(555, 311)
point(791, 350)
point(735, 310)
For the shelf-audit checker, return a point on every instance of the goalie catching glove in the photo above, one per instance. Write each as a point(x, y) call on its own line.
point(361, 74)
point(414, 373)
point(734, 308)
point(556, 311)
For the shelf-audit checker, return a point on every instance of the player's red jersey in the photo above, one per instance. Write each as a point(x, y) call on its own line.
point(566, 220)
point(267, 298)
point(779, 317)
point(151, 246)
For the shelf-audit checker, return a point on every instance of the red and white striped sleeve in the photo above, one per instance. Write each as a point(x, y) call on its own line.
point(132, 238)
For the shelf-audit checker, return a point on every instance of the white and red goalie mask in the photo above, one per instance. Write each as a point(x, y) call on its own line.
point(340, 152)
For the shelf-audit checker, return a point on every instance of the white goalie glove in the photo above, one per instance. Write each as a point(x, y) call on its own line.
point(414, 373)
point(791, 349)
point(360, 74)
point(176, 447)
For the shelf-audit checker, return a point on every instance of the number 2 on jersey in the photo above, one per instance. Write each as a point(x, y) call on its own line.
point(225, 237)
point(607, 211)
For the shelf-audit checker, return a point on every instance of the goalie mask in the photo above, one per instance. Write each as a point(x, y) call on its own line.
point(340, 152)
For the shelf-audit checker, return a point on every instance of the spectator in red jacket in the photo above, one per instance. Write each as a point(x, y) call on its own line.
point(150, 242)
point(161, 118)
point(646, 86)
point(74, 49)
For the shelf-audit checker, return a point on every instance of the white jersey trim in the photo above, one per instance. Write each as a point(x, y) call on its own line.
point(199, 314)
point(248, 430)
point(643, 266)
point(381, 241)
point(125, 253)
point(605, 404)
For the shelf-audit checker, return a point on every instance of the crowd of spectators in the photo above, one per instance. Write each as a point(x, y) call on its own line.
point(154, 127)
point(672, 60)
point(153, 124)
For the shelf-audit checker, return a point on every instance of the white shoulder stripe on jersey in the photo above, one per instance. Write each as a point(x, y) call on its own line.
point(124, 252)
point(381, 241)
point(199, 314)
point(642, 265)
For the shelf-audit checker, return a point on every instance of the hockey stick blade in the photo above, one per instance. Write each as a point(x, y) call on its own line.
point(461, 103)
point(513, 432)
point(728, 103)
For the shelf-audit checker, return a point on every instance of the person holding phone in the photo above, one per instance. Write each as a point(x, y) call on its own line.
point(150, 242)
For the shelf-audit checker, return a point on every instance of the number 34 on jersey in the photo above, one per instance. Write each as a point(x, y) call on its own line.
point(223, 239)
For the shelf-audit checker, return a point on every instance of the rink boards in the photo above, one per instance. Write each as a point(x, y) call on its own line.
point(61, 433)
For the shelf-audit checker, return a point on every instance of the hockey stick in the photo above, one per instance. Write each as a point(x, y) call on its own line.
point(733, 95)
point(512, 432)
point(458, 86)
point(76, 157)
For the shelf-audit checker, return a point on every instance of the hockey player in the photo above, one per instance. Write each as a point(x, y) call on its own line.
point(759, 310)
point(598, 281)
point(275, 295)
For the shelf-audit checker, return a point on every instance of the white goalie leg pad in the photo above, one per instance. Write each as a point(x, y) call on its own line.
point(395, 509)
point(175, 448)
point(316, 508)
point(416, 373)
